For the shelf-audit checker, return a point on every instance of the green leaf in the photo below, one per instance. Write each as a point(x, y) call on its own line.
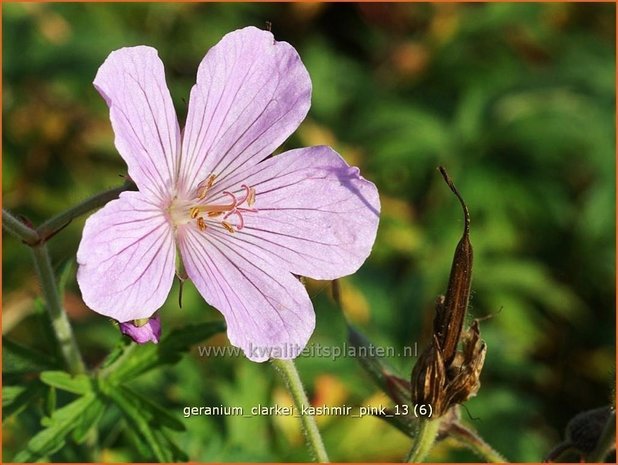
point(11, 393)
point(160, 436)
point(116, 352)
point(16, 398)
point(89, 418)
point(137, 442)
point(50, 401)
point(178, 455)
point(78, 384)
point(52, 438)
point(169, 351)
point(138, 421)
point(147, 421)
point(247, 389)
point(17, 359)
point(154, 413)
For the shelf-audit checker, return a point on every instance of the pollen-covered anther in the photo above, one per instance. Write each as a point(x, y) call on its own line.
point(204, 186)
point(228, 227)
point(250, 195)
point(201, 224)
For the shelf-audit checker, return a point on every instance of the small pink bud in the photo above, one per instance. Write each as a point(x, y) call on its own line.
point(142, 331)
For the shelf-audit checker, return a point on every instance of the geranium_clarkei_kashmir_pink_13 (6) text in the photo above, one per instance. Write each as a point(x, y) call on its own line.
point(245, 224)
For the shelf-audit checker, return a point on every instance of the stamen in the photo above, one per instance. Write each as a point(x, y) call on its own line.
point(246, 188)
point(215, 208)
point(201, 192)
point(227, 210)
point(251, 197)
point(241, 222)
point(234, 199)
point(228, 226)
point(205, 185)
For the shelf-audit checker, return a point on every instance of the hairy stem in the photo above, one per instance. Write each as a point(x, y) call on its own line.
point(36, 239)
point(470, 439)
point(62, 328)
point(288, 371)
point(485, 451)
point(53, 225)
point(18, 228)
point(424, 440)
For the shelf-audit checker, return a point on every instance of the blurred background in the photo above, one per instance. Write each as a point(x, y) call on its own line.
point(516, 100)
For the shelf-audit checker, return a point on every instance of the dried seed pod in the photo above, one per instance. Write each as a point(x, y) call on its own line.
point(448, 326)
point(465, 372)
point(429, 378)
point(443, 376)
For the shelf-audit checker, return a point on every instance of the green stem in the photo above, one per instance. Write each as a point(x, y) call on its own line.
point(53, 225)
point(424, 440)
point(485, 451)
point(36, 240)
point(607, 441)
point(288, 371)
point(60, 322)
point(18, 228)
point(470, 439)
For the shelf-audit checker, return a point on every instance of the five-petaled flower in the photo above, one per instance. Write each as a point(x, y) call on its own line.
point(243, 223)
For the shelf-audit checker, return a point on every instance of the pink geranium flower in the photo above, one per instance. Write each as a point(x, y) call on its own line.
point(243, 223)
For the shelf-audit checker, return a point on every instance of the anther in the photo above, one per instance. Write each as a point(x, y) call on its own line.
point(228, 226)
point(203, 188)
point(194, 212)
point(201, 224)
point(249, 195)
point(201, 192)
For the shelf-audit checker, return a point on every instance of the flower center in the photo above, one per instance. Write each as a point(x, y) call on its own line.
point(204, 211)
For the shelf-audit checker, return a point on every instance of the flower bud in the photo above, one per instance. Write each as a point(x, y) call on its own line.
point(142, 331)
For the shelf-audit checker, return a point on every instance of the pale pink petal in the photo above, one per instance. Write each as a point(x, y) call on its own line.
point(132, 82)
point(317, 217)
point(267, 310)
point(126, 258)
point(251, 94)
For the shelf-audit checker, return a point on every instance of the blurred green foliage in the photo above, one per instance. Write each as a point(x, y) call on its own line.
point(516, 100)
